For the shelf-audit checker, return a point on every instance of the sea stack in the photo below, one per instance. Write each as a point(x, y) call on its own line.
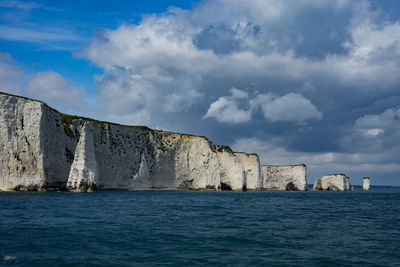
point(366, 183)
point(334, 182)
point(284, 177)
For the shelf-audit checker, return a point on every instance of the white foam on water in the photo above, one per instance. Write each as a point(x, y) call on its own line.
point(8, 258)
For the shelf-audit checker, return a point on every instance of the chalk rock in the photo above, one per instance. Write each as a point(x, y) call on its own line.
point(366, 183)
point(21, 151)
point(317, 185)
point(251, 165)
point(232, 172)
point(184, 161)
point(286, 177)
point(347, 183)
point(83, 174)
point(334, 182)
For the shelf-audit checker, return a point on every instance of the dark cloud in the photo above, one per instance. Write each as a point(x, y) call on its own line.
point(222, 39)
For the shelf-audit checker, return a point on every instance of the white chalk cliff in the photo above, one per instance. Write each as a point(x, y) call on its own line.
point(42, 149)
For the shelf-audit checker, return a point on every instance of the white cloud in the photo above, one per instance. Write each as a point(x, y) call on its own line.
point(36, 36)
point(389, 119)
point(183, 57)
point(49, 86)
point(375, 133)
point(52, 88)
point(370, 37)
point(226, 108)
point(10, 75)
point(290, 107)
point(372, 132)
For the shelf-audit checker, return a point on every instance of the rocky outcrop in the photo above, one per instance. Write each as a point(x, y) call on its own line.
point(252, 169)
point(286, 177)
point(366, 183)
point(232, 173)
point(84, 174)
point(21, 154)
point(347, 183)
point(334, 182)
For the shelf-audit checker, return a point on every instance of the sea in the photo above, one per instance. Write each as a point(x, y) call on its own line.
point(157, 228)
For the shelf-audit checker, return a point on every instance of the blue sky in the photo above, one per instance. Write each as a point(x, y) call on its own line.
point(297, 81)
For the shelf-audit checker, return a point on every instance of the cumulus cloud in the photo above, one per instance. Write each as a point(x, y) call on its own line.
point(52, 88)
point(223, 39)
point(10, 74)
point(48, 86)
point(226, 108)
point(188, 56)
point(376, 132)
point(291, 107)
point(124, 93)
point(388, 120)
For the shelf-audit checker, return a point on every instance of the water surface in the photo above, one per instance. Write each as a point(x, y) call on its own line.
point(201, 228)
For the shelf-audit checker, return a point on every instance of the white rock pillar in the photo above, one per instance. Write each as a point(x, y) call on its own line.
point(366, 183)
point(84, 172)
point(347, 180)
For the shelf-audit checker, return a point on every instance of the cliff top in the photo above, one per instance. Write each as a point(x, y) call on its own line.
point(293, 165)
point(68, 119)
point(228, 149)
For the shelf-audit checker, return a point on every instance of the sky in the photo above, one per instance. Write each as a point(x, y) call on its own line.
point(296, 81)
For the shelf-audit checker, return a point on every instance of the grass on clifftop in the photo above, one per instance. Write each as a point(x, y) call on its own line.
point(67, 120)
point(224, 149)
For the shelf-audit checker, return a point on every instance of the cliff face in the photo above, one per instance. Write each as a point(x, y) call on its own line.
point(232, 172)
point(42, 149)
point(251, 166)
point(287, 177)
point(21, 149)
point(334, 182)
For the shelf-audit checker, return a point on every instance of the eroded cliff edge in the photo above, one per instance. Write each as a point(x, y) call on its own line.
point(43, 149)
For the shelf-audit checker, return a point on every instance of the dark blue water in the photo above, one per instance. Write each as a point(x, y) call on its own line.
point(201, 228)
